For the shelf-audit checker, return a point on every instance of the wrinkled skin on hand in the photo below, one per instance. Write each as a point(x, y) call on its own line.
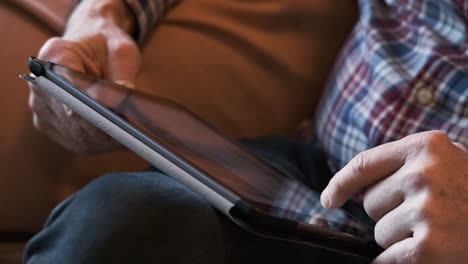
point(95, 42)
point(418, 195)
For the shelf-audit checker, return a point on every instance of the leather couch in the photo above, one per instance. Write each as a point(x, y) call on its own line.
point(260, 65)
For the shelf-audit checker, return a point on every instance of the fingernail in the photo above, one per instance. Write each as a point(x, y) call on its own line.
point(128, 84)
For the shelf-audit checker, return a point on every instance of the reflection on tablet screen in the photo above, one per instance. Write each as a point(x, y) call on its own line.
point(202, 146)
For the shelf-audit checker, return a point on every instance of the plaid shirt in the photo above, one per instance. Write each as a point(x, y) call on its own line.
point(403, 71)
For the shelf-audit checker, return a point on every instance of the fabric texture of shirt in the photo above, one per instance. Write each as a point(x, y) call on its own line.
point(403, 71)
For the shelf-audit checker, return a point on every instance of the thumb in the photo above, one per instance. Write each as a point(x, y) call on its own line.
point(123, 62)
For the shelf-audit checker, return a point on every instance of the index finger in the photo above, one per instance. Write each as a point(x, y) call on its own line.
point(365, 169)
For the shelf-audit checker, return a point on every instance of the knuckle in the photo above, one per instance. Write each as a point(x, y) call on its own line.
point(426, 211)
point(427, 142)
point(418, 180)
point(434, 138)
point(51, 46)
point(54, 41)
point(124, 49)
point(425, 177)
point(360, 162)
point(423, 215)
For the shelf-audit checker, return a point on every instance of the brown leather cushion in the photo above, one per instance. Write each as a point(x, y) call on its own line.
point(250, 67)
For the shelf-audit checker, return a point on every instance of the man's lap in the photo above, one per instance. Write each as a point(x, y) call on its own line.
point(148, 217)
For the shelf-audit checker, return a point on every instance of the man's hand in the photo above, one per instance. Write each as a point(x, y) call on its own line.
point(418, 195)
point(97, 42)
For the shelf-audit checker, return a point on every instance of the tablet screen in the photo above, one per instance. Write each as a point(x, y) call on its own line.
point(215, 155)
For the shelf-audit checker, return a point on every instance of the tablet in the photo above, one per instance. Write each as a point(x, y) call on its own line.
point(247, 190)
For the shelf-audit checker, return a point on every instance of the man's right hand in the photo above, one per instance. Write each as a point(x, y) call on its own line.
point(96, 41)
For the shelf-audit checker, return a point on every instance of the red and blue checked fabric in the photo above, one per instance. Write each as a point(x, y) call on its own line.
point(404, 70)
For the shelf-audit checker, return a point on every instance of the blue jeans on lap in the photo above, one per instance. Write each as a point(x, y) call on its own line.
point(148, 217)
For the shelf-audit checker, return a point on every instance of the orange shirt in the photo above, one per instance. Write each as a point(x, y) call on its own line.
point(251, 67)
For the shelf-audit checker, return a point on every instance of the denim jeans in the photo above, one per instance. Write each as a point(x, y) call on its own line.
point(148, 217)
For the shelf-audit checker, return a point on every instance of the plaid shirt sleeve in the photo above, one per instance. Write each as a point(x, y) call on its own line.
point(403, 71)
point(147, 13)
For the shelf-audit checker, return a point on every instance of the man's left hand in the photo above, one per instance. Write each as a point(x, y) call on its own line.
point(418, 195)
